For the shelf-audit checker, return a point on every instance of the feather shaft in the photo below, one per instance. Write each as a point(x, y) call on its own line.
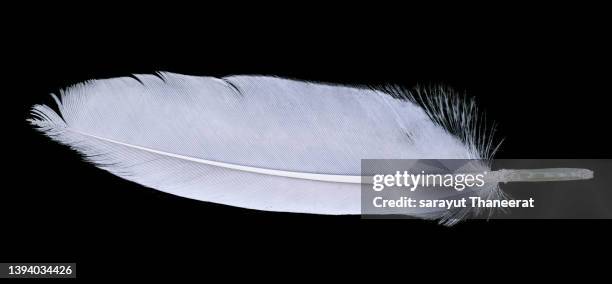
point(272, 172)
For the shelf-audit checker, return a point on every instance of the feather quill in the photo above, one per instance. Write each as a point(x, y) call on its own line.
point(260, 142)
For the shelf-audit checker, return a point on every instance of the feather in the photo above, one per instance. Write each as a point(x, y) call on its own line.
point(260, 142)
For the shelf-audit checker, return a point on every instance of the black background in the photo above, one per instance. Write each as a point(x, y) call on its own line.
point(542, 75)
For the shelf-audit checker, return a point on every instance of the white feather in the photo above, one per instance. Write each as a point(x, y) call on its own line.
point(258, 142)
